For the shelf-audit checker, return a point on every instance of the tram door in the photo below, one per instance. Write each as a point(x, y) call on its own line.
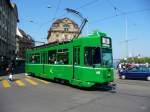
point(76, 61)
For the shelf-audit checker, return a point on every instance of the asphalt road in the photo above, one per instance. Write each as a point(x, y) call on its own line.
point(27, 94)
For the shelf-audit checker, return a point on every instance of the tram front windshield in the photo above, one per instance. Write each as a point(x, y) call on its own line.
point(96, 57)
point(107, 57)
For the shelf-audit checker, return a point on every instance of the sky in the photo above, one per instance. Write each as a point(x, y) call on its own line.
point(119, 19)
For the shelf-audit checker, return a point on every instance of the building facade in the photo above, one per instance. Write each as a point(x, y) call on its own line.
point(62, 30)
point(23, 42)
point(8, 24)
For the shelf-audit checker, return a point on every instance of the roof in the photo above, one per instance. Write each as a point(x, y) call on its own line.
point(60, 20)
point(13, 6)
point(22, 34)
point(18, 33)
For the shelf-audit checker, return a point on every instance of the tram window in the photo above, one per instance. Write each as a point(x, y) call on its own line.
point(88, 56)
point(52, 57)
point(107, 57)
point(35, 58)
point(92, 56)
point(62, 56)
point(31, 58)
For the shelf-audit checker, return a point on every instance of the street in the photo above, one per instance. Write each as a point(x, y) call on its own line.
point(76, 47)
point(28, 94)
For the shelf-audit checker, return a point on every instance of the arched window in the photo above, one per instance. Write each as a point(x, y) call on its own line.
point(66, 27)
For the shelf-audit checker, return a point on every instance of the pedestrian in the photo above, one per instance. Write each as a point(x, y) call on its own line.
point(9, 71)
point(147, 65)
point(119, 68)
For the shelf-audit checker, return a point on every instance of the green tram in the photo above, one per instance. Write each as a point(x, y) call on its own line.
point(83, 62)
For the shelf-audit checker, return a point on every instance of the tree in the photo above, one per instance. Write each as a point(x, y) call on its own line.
point(136, 60)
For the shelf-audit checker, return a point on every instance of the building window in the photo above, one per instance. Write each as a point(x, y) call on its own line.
point(55, 25)
point(66, 27)
point(75, 26)
point(66, 37)
point(57, 35)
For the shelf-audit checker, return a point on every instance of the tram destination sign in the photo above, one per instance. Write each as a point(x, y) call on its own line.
point(106, 42)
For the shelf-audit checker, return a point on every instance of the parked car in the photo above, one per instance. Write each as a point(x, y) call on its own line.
point(140, 72)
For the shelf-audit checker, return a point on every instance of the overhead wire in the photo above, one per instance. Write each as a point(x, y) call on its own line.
point(118, 9)
point(115, 7)
point(54, 16)
point(83, 6)
point(102, 19)
point(125, 14)
point(57, 9)
point(88, 4)
point(122, 14)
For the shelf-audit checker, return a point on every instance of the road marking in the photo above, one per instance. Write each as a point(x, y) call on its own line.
point(1, 78)
point(31, 81)
point(5, 84)
point(20, 83)
point(43, 81)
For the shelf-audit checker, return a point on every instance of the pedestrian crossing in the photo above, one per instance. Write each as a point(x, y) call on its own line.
point(22, 82)
point(5, 84)
point(31, 81)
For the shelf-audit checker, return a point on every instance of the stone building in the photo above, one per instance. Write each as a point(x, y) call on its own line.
point(62, 30)
point(23, 42)
point(8, 24)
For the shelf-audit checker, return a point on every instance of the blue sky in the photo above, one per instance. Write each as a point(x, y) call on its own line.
point(97, 11)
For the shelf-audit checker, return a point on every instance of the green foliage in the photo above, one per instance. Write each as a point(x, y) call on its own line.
point(136, 60)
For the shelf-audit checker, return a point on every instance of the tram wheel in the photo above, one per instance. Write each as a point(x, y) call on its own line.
point(56, 80)
point(62, 81)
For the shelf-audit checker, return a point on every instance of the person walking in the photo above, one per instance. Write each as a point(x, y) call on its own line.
point(120, 68)
point(9, 71)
